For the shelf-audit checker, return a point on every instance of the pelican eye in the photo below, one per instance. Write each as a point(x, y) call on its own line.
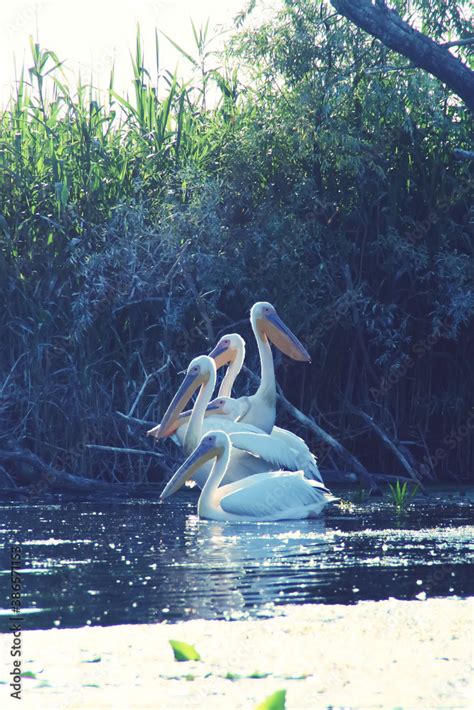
point(195, 370)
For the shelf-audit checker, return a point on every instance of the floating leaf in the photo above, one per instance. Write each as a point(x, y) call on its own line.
point(232, 676)
point(277, 701)
point(184, 651)
point(97, 659)
point(28, 674)
point(258, 674)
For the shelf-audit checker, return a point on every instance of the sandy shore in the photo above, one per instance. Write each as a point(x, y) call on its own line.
point(390, 654)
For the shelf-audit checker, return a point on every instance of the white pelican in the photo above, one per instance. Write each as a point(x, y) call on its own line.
point(264, 453)
point(275, 495)
point(258, 409)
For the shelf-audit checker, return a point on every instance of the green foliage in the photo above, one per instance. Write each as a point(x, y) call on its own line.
point(276, 701)
point(184, 651)
point(402, 495)
point(296, 168)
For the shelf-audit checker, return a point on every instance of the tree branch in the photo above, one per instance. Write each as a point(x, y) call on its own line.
point(461, 154)
point(458, 43)
point(387, 26)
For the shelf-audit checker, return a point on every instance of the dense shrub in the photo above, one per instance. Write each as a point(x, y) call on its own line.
point(134, 233)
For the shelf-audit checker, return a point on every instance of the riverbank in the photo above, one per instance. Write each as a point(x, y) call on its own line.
point(404, 654)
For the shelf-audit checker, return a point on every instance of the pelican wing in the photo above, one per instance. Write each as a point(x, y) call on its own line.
point(220, 423)
point(306, 459)
point(271, 495)
point(275, 452)
point(293, 440)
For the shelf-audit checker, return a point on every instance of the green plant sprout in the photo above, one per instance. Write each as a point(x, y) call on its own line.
point(402, 495)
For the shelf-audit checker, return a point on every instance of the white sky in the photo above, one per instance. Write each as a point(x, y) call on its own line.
point(89, 34)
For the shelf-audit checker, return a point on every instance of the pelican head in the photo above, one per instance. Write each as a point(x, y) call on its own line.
point(199, 371)
point(228, 348)
point(210, 446)
point(227, 406)
point(268, 324)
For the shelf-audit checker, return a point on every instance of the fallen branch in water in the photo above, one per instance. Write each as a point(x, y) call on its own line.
point(40, 476)
point(396, 450)
point(309, 423)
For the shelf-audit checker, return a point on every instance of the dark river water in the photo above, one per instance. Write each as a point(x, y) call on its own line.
point(142, 562)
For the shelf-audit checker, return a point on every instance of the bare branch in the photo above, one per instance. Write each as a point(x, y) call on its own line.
point(458, 43)
point(120, 450)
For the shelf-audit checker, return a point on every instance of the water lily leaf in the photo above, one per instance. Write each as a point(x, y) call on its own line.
point(28, 674)
point(184, 651)
point(277, 701)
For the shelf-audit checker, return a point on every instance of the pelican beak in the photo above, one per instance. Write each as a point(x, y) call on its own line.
point(222, 355)
point(182, 419)
point(188, 386)
point(159, 433)
point(282, 337)
point(200, 455)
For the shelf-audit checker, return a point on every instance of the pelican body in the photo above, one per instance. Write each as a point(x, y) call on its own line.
point(264, 497)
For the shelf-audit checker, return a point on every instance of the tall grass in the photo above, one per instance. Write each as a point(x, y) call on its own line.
point(84, 174)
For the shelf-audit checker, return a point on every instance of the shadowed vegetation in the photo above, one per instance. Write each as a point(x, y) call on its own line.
point(307, 167)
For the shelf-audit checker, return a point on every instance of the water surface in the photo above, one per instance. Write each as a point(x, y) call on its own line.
point(142, 562)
